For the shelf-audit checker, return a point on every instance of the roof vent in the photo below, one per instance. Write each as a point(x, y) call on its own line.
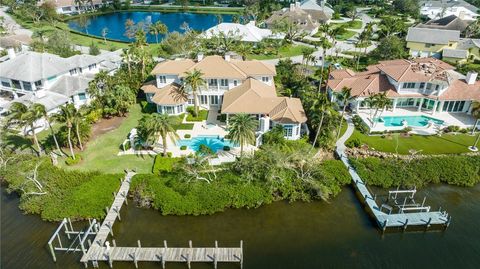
point(471, 77)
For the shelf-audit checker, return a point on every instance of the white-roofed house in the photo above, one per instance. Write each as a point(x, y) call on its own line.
point(244, 32)
point(443, 8)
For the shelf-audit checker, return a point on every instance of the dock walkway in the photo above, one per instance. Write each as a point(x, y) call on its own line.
point(383, 219)
point(100, 249)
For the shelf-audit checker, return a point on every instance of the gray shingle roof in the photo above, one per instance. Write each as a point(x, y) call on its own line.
point(455, 53)
point(71, 85)
point(449, 3)
point(451, 22)
point(50, 100)
point(432, 36)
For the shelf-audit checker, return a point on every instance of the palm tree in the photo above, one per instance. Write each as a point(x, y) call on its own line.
point(104, 34)
point(158, 28)
point(65, 115)
point(475, 114)
point(77, 119)
point(241, 130)
point(43, 111)
point(345, 96)
point(194, 81)
point(25, 117)
point(152, 125)
point(381, 102)
point(243, 49)
point(307, 54)
point(320, 106)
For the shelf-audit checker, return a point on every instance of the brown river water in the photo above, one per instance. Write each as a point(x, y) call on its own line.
point(338, 234)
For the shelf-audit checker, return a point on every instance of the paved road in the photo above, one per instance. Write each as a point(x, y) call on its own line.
point(11, 25)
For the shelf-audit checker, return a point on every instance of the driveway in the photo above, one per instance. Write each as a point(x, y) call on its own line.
point(11, 25)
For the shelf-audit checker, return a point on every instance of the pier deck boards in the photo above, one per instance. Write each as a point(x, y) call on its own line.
point(392, 220)
point(99, 252)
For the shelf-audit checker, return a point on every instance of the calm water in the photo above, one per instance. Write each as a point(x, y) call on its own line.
point(417, 121)
point(282, 235)
point(213, 142)
point(115, 23)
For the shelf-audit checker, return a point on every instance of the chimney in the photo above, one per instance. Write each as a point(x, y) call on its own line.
point(292, 7)
point(11, 53)
point(199, 56)
point(471, 77)
point(227, 57)
point(461, 15)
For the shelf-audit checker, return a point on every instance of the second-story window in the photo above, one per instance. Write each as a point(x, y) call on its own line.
point(235, 83)
point(212, 82)
point(224, 82)
point(27, 85)
point(409, 85)
point(265, 79)
point(5, 84)
point(38, 83)
point(422, 85)
point(73, 71)
point(162, 79)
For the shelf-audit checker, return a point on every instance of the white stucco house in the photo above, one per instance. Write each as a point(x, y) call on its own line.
point(444, 8)
point(232, 87)
point(244, 32)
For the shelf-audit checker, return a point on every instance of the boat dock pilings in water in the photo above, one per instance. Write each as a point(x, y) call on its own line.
point(101, 250)
point(414, 214)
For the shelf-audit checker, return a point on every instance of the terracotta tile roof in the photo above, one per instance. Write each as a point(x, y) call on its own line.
point(150, 87)
point(342, 73)
point(215, 67)
point(460, 90)
point(168, 95)
point(255, 97)
point(364, 85)
point(418, 70)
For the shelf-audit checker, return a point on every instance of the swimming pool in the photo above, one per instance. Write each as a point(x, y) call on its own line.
point(213, 142)
point(415, 121)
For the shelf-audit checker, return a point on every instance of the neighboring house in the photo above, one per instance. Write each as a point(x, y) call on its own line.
point(451, 22)
point(48, 79)
point(424, 84)
point(425, 42)
point(19, 42)
point(467, 49)
point(445, 8)
point(247, 33)
point(69, 7)
point(308, 20)
point(232, 86)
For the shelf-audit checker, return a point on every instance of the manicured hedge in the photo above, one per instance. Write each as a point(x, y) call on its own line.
point(455, 170)
point(163, 164)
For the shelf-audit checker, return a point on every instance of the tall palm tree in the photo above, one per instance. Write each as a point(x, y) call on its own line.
point(381, 102)
point(241, 130)
point(43, 111)
point(194, 81)
point(158, 28)
point(320, 107)
point(475, 114)
point(345, 96)
point(243, 49)
point(152, 125)
point(307, 54)
point(77, 119)
point(25, 117)
point(65, 115)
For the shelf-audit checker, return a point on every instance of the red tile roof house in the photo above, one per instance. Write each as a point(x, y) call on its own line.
point(232, 86)
point(425, 87)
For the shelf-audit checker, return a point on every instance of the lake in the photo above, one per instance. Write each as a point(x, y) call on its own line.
point(338, 234)
point(115, 23)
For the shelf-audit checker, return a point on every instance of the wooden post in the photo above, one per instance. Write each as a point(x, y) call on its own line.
point(114, 244)
point(82, 246)
point(135, 261)
point(110, 227)
point(126, 198)
point(384, 226)
point(52, 251)
point(118, 214)
point(59, 240)
point(190, 254)
point(110, 261)
point(241, 251)
point(89, 243)
point(215, 255)
point(65, 226)
point(164, 253)
point(106, 209)
point(424, 198)
point(428, 223)
point(405, 225)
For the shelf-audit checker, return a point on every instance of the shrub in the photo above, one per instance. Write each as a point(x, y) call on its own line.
point(456, 170)
point(202, 114)
point(183, 147)
point(205, 150)
point(353, 143)
point(452, 129)
point(71, 161)
point(84, 130)
point(187, 136)
point(163, 164)
point(464, 130)
point(360, 125)
point(148, 107)
point(407, 130)
point(226, 148)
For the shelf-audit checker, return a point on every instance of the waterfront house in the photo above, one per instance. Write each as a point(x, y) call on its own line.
point(70, 7)
point(444, 8)
point(232, 86)
point(48, 79)
point(307, 15)
point(451, 22)
point(423, 86)
point(244, 32)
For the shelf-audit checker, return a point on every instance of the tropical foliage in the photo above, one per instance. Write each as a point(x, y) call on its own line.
point(241, 130)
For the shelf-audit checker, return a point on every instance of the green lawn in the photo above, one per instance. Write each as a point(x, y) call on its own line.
point(101, 153)
point(356, 24)
point(445, 144)
point(346, 35)
point(202, 115)
point(283, 52)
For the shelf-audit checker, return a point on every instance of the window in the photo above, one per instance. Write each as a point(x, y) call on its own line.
point(38, 83)
point(422, 85)
point(287, 130)
point(213, 82)
point(265, 79)
point(80, 70)
point(214, 99)
point(190, 101)
point(180, 109)
point(409, 85)
point(16, 84)
point(204, 99)
point(73, 71)
point(162, 79)
point(27, 86)
point(224, 82)
point(92, 66)
point(82, 96)
point(169, 109)
point(5, 84)
point(428, 45)
point(235, 83)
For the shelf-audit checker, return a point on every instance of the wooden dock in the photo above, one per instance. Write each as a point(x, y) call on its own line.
point(403, 219)
point(101, 250)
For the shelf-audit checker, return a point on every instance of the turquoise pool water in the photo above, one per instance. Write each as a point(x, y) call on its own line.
point(415, 121)
point(214, 142)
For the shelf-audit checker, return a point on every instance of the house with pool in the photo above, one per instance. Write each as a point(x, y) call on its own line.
point(232, 86)
point(427, 94)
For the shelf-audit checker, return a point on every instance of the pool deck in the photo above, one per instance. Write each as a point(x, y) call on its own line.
point(458, 119)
